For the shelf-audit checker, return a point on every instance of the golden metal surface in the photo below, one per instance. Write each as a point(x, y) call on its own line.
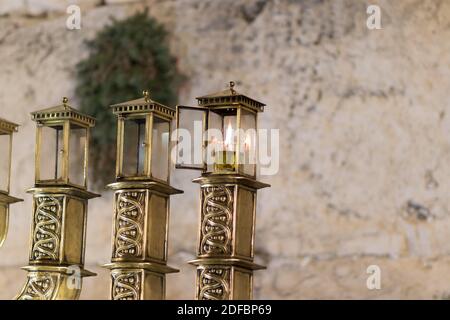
point(229, 97)
point(230, 179)
point(223, 282)
point(52, 283)
point(150, 185)
point(226, 161)
point(143, 106)
point(5, 201)
point(6, 128)
point(47, 285)
point(58, 228)
point(227, 103)
point(141, 212)
point(226, 233)
point(60, 113)
point(67, 118)
point(226, 237)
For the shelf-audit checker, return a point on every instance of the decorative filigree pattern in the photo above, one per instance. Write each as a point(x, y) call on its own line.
point(39, 287)
point(213, 283)
point(217, 211)
point(47, 228)
point(126, 285)
point(128, 224)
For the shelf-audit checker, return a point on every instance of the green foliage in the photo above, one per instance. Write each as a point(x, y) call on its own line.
point(125, 58)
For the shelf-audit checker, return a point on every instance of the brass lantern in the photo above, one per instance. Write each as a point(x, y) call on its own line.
point(6, 136)
point(60, 202)
point(141, 203)
point(227, 158)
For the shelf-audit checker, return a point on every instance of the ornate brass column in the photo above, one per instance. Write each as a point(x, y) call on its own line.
point(228, 193)
point(6, 135)
point(227, 226)
point(60, 202)
point(141, 201)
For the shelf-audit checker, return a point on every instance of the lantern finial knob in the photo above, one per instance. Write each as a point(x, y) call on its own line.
point(146, 95)
point(65, 100)
point(232, 84)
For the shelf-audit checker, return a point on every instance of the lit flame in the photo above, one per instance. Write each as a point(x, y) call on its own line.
point(229, 136)
point(247, 142)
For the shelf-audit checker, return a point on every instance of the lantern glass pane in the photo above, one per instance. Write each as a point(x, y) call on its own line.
point(77, 147)
point(248, 142)
point(222, 140)
point(134, 147)
point(160, 149)
point(5, 152)
point(51, 153)
point(190, 137)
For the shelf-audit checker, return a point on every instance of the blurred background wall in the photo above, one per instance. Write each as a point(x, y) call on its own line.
point(365, 135)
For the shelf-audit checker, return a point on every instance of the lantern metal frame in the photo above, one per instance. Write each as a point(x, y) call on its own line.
point(7, 128)
point(149, 121)
point(223, 100)
point(66, 117)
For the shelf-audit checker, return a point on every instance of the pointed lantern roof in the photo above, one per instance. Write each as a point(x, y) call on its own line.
point(229, 97)
point(62, 112)
point(143, 105)
point(7, 127)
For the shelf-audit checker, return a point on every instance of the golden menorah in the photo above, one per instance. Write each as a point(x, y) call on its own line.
point(142, 191)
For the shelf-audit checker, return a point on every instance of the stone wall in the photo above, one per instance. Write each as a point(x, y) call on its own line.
point(365, 135)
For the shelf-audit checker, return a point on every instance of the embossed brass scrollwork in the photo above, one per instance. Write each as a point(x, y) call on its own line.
point(130, 215)
point(126, 284)
point(217, 217)
point(214, 283)
point(40, 286)
point(47, 228)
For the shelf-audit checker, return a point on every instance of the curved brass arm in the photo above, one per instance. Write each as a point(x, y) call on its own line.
point(5, 201)
point(53, 283)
